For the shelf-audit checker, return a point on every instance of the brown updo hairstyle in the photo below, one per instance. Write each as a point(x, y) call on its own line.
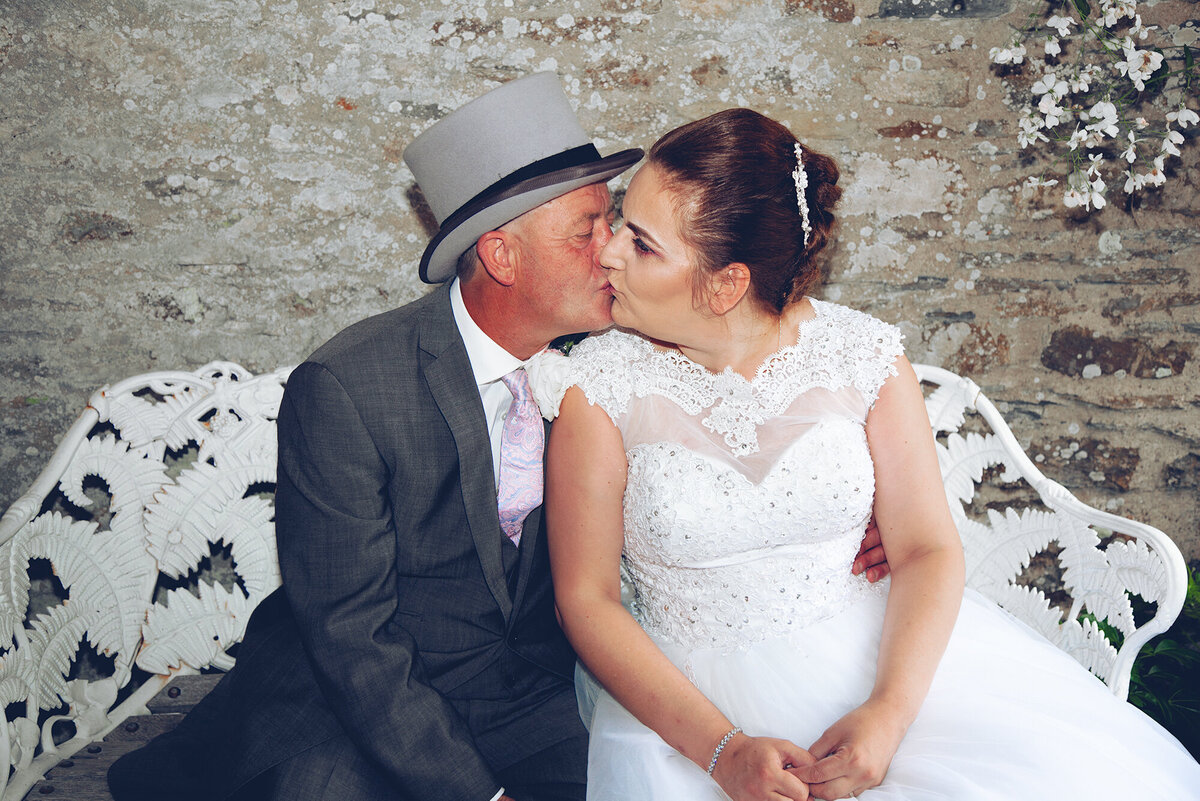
point(731, 174)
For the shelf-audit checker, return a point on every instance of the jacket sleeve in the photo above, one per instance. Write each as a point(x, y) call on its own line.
point(337, 555)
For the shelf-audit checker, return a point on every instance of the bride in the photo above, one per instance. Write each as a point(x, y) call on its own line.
point(734, 450)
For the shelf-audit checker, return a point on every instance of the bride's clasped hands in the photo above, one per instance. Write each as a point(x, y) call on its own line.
point(851, 756)
point(854, 753)
point(758, 768)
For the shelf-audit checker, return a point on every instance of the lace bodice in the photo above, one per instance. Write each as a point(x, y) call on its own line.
point(746, 500)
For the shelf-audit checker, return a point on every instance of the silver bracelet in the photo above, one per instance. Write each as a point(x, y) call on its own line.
point(721, 747)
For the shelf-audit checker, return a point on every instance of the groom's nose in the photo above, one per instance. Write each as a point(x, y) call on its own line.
point(607, 257)
point(600, 242)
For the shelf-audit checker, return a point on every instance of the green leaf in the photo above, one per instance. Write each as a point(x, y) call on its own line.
point(1083, 8)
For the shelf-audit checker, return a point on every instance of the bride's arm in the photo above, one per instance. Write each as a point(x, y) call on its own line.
point(585, 484)
point(925, 555)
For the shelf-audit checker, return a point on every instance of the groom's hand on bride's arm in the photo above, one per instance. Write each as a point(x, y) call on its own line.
point(753, 768)
point(871, 557)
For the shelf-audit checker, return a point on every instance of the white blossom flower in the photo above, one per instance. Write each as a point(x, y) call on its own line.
point(1139, 65)
point(1078, 138)
point(1035, 181)
point(1133, 182)
point(1104, 118)
point(1084, 193)
point(1138, 29)
point(1115, 10)
point(1156, 177)
point(1141, 123)
point(1073, 198)
point(1054, 112)
point(1050, 84)
point(549, 378)
point(1097, 161)
point(1061, 24)
point(1130, 153)
point(1183, 116)
point(1013, 54)
point(1031, 126)
point(1171, 142)
point(1052, 47)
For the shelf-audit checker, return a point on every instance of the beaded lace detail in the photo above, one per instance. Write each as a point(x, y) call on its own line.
point(838, 347)
point(746, 500)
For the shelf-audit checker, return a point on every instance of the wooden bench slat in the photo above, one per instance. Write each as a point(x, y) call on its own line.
point(183, 693)
point(83, 776)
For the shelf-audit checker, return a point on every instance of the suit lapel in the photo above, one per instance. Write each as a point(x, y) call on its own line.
point(450, 380)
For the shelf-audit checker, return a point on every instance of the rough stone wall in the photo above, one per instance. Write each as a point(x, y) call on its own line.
point(189, 180)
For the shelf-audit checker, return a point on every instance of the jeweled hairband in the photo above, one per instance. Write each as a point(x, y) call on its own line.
point(801, 179)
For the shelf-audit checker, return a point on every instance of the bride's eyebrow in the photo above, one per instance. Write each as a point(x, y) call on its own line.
point(641, 233)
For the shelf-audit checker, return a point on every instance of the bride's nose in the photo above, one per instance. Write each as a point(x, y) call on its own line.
point(608, 254)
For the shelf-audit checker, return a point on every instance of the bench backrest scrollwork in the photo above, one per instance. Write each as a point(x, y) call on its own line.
point(165, 472)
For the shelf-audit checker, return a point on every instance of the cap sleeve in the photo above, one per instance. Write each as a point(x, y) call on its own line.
point(603, 367)
point(856, 348)
point(879, 344)
point(599, 365)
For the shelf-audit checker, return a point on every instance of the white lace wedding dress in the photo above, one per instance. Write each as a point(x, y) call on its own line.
point(745, 505)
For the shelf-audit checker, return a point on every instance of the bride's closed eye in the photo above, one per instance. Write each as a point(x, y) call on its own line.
point(641, 246)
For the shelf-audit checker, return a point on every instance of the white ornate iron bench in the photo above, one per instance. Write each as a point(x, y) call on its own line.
point(166, 472)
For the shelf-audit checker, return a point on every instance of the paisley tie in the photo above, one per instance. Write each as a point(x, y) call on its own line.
point(521, 446)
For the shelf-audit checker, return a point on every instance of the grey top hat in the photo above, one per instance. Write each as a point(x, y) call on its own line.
point(498, 157)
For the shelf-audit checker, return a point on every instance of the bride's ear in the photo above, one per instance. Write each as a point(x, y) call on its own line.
point(727, 287)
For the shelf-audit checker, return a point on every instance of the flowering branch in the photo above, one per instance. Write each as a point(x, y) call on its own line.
point(1095, 106)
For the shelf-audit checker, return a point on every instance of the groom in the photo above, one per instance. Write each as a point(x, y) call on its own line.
point(413, 651)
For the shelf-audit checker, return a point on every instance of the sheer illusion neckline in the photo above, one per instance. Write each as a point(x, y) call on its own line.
point(686, 366)
point(835, 348)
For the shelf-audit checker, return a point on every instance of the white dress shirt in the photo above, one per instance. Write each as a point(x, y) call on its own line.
point(489, 363)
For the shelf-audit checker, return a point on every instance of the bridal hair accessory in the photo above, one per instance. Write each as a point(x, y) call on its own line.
point(729, 735)
point(801, 179)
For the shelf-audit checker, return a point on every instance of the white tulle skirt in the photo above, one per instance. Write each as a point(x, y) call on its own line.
point(1008, 716)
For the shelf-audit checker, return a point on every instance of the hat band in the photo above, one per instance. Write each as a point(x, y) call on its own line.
point(583, 154)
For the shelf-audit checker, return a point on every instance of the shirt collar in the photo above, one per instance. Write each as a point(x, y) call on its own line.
point(489, 361)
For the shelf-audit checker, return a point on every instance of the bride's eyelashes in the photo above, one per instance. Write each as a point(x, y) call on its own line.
point(641, 246)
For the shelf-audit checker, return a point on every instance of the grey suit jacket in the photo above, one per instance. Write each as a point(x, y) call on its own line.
point(406, 620)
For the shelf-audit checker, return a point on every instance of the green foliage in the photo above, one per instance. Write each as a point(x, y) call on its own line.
point(1165, 683)
point(565, 343)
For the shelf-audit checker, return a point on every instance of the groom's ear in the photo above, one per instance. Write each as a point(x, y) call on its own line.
point(727, 287)
point(497, 255)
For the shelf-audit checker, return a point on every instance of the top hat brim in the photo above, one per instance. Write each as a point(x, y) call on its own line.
point(463, 228)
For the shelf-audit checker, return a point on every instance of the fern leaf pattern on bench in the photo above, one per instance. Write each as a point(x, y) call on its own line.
point(160, 471)
point(163, 468)
point(1101, 561)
